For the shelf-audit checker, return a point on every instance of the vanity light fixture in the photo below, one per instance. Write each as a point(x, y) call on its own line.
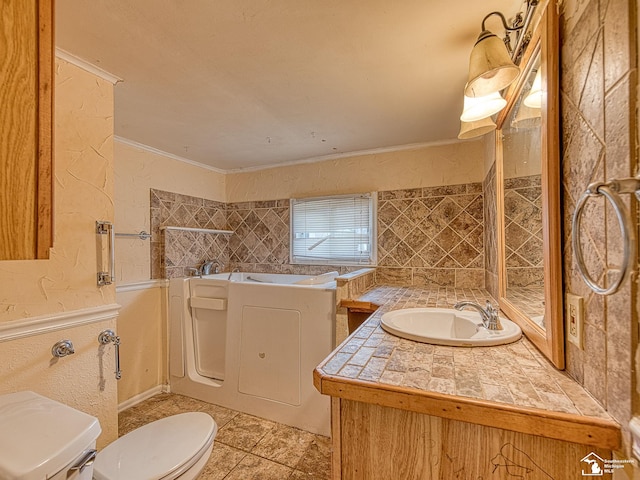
point(476, 129)
point(477, 108)
point(492, 68)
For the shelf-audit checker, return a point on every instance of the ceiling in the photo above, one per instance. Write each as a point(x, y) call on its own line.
point(240, 84)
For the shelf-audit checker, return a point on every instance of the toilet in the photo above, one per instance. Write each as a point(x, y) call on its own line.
point(42, 439)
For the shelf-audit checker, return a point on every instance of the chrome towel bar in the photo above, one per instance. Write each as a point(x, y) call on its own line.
point(611, 191)
point(142, 235)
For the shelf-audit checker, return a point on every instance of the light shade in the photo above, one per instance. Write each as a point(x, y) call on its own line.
point(490, 66)
point(476, 129)
point(527, 117)
point(534, 99)
point(482, 107)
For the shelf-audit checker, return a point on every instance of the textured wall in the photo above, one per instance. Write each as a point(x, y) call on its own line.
point(598, 85)
point(83, 194)
point(67, 282)
point(136, 171)
point(448, 164)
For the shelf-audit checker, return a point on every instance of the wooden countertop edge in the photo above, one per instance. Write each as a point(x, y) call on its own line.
point(358, 304)
point(567, 427)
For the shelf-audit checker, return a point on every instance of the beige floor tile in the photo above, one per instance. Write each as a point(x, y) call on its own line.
point(316, 460)
point(284, 445)
point(257, 468)
point(299, 475)
point(129, 423)
point(244, 431)
point(221, 415)
point(246, 447)
point(223, 459)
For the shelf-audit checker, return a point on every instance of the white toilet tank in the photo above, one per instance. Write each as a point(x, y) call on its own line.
point(43, 439)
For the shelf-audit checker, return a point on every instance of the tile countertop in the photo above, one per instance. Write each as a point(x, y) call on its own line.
point(509, 386)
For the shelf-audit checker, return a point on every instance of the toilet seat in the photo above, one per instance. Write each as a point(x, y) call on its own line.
point(161, 450)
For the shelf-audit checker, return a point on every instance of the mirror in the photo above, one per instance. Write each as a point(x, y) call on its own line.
point(528, 190)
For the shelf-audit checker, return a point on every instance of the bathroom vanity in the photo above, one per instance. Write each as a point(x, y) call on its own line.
point(408, 410)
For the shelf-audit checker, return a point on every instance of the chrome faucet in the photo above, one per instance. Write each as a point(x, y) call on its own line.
point(210, 267)
point(489, 314)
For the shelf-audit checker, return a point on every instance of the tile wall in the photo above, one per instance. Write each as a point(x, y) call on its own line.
point(491, 234)
point(431, 236)
point(173, 251)
point(426, 236)
point(598, 101)
point(523, 231)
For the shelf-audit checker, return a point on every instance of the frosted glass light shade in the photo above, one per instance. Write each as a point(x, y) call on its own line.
point(476, 129)
point(482, 107)
point(490, 67)
point(534, 99)
point(527, 117)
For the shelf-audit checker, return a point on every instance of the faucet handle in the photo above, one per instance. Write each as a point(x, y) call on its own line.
point(494, 316)
point(194, 272)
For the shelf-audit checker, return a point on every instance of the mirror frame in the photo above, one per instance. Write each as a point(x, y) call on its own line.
point(550, 341)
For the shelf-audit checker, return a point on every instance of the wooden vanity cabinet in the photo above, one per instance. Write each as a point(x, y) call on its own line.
point(375, 442)
point(26, 129)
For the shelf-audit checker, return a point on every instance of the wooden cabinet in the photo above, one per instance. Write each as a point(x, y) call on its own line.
point(381, 443)
point(26, 125)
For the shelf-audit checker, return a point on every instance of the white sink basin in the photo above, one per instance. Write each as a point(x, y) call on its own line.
point(447, 326)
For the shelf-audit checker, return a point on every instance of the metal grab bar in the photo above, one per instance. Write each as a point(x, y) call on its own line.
point(106, 228)
point(610, 191)
point(106, 337)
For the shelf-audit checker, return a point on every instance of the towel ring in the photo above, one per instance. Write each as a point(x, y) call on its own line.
point(609, 190)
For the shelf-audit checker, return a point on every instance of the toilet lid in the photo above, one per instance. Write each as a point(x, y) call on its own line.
point(159, 450)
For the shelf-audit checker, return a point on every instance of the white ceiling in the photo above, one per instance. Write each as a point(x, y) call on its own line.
point(247, 83)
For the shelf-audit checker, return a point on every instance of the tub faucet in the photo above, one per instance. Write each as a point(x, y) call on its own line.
point(489, 314)
point(210, 267)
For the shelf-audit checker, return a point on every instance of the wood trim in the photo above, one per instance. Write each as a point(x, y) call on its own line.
point(336, 438)
point(27, 327)
point(545, 42)
point(45, 130)
point(555, 425)
point(359, 305)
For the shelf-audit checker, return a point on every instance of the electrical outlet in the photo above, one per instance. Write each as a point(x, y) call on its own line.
point(574, 318)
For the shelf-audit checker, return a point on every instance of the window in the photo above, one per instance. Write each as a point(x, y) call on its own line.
point(338, 230)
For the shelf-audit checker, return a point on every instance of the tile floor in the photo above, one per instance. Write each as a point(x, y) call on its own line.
point(246, 447)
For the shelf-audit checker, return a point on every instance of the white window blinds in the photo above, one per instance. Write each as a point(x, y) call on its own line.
point(333, 230)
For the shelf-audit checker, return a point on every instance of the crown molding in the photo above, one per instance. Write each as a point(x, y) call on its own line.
point(89, 67)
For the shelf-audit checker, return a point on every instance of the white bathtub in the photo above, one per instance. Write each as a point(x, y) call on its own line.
point(251, 343)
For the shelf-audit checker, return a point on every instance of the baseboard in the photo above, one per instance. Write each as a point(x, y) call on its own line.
point(141, 397)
